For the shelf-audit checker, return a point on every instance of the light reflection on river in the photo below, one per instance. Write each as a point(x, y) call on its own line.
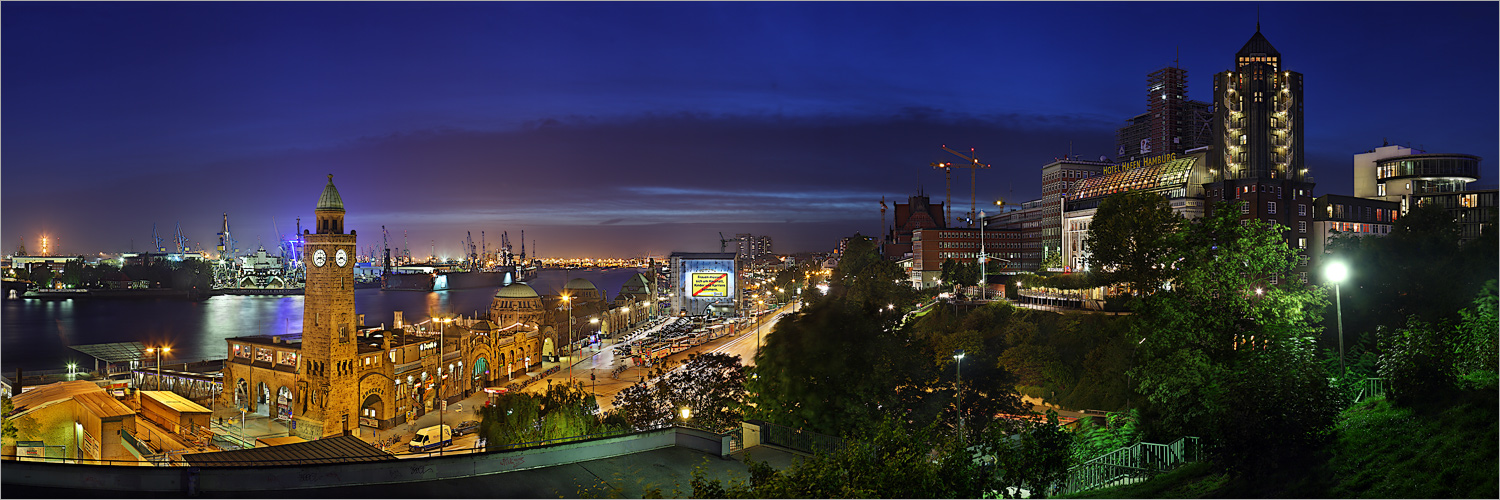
point(35, 334)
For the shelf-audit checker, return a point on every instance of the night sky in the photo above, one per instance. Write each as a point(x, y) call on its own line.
point(626, 129)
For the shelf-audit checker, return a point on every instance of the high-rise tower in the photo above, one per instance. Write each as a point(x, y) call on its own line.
point(326, 401)
point(1172, 123)
point(1257, 141)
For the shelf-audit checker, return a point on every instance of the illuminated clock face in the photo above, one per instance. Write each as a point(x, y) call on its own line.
point(320, 257)
point(341, 258)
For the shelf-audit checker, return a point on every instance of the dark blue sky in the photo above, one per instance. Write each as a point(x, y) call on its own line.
point(631, 128)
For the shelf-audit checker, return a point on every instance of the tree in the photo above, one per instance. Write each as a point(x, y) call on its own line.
point(710, 385)
point(563, 411)
point(6, 408)
point(1228, 353)
point(1131, 240)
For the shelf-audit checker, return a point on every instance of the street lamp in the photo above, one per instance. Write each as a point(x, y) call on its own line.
point(758, 322)
point(158, 350)
point(569, 300)
point(983, 275)
point(958, 356)
point(1336, 272)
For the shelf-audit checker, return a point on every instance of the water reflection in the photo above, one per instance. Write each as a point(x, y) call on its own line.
point(35, 334)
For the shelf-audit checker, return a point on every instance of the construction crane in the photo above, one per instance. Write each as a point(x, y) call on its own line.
point(722, 242)
point(505, 256)
point(385, 243)
point(973, 165)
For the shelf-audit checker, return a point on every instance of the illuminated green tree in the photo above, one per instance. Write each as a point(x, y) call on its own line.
point(1131, 238)
point(1229, 352)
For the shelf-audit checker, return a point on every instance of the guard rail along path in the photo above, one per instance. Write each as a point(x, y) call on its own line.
point(1131, 464)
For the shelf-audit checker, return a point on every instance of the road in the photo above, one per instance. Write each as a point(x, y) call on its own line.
point(598, 362)
point(602, 362)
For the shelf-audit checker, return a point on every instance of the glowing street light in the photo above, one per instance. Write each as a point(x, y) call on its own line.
point(1336, 272)
point(958, 356)
point(158, 350)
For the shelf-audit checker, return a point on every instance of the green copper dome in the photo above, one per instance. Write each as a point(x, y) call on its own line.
point(330, 200)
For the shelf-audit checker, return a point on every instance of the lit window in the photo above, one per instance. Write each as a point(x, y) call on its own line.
point(1301, 242)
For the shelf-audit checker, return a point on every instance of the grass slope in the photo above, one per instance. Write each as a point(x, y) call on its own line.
point(1377, 450)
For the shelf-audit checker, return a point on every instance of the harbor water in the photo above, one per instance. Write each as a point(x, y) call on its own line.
point(37, 333)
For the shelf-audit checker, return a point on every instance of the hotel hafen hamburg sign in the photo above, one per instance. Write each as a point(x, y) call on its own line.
point(1143, 162)
point(712, 284)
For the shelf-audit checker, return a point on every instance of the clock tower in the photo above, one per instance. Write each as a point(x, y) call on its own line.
point(326, 403)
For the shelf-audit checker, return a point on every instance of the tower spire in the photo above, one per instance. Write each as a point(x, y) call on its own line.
point(1257, 21)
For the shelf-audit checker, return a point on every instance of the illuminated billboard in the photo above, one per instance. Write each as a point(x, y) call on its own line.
point(710, 284)
point(703, 283)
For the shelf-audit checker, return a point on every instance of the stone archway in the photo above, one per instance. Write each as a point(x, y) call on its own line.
point(263, 400)
point(283, 403)
point(481, 374)
point(548, 350)
point(241, 394)
point(371, 408)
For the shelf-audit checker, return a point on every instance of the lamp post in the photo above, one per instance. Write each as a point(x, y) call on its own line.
point(758, 322)
point(983, 276)
point(569, 301)
point(158, 350)
point(1336, 272)
point(958, 356)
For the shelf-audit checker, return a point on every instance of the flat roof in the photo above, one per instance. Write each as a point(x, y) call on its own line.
point(175, 401)
point(114, 352)
point(337, 449)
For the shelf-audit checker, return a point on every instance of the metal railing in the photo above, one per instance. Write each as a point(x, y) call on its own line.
point(802, 440)
point(1131, 464)
point(1372, 387)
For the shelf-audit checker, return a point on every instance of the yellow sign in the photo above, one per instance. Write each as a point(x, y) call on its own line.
point(1144, 162)
point(710, 284)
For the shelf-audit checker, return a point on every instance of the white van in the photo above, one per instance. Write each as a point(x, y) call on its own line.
point(429, 439)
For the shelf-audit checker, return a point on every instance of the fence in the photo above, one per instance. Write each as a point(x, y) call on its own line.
point(801, 440)
point(1372, 387)
point(1131, 464)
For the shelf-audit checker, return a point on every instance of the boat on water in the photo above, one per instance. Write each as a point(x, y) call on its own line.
point(429, 278)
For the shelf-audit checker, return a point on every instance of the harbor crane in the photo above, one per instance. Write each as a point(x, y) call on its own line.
point(385, 242)
point(973, 165)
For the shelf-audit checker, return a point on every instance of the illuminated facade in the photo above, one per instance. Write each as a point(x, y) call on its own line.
point(930, 247)
point(1257, 142)
point(1339, 215)
point(1180, 179)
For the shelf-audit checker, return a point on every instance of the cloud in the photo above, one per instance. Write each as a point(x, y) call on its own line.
point(731, 172)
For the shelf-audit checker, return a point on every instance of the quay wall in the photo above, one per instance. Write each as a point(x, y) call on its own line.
point(214, 480)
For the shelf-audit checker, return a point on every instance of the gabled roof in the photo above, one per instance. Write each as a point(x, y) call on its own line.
point(52, 393)
point(1258, 45)
point(105, 406)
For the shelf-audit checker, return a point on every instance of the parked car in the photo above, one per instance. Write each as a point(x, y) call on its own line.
point(466, 427)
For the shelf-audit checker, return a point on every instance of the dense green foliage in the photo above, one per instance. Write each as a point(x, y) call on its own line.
point(9, 427)
point(1382, 450)
point(1229, 351)
point(1131, 240)
point(564, 411)
point(889, 460)
point(1418, 270)
point(1075, 360)
point(1424, 360)
point(1117, 431)
point(710, 386)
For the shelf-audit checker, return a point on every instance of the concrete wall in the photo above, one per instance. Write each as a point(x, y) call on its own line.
point(272, 478)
